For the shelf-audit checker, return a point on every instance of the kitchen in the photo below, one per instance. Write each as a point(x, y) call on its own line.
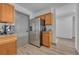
point(18, 31)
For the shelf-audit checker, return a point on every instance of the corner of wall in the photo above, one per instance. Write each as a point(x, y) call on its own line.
point(23, 10)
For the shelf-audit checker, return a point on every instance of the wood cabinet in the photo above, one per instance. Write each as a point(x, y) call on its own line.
point(48, 19)
point(42, 17)
point(46, 39)
point(6, 13)
point(8, 45)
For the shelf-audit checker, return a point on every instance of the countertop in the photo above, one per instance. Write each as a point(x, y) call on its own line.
point(7, 38)
point(47, 32)
point(7, 35)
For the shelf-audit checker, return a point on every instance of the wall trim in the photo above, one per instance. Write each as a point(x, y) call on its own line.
point(73, 38)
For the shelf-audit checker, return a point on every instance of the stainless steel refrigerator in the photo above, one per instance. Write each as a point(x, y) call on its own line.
point(35, 32)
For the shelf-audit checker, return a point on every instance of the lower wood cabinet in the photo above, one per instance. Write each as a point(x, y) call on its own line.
point(8, 47)
point(46, 39)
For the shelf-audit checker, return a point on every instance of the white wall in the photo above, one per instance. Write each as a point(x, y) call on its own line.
point(64, 27)
point(74, 10)
point(66, 10)
point(41, 12)
point(53, 11)
point(64, 17)
point(23, 10)
point(77, 29)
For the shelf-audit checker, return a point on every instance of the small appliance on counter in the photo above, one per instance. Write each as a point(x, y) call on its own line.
point(7, 29)
point(10, 29)
point(48, 27)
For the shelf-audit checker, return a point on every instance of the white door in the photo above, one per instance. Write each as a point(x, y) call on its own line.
point(22, 28)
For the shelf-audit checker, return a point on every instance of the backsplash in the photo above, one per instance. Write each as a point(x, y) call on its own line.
point(48, 27)
point(7, 28)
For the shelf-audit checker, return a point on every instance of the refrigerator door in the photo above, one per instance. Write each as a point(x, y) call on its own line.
point(31, 33)
point(35, 33)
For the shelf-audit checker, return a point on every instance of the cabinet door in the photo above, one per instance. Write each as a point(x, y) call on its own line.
point(8, 49)
point(7, 13)
point(42, 17)
point(8, 46)
point(0, 10)
point(48, 19)
point(3, 49)
point(46, 40)
point(11, 48)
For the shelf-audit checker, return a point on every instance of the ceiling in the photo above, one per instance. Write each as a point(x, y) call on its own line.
point(36, 7)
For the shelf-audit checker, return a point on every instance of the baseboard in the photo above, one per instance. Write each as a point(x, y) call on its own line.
point(76, 52)
point(53, 44)
point(64, 38)
point(73, 38)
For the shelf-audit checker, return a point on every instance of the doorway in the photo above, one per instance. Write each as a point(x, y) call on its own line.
point(65, 34)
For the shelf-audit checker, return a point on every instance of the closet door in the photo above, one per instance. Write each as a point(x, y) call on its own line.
point(22, 28)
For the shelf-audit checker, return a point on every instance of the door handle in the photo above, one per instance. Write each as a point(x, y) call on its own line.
point(27, 31)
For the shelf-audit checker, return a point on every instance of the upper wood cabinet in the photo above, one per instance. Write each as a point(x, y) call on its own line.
point(48, 19)
point(42, 17)
point(6, 13)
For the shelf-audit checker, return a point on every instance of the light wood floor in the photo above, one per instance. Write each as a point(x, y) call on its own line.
point(63, 47)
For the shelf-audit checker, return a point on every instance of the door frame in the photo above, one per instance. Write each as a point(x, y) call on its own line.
point(73, 28)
